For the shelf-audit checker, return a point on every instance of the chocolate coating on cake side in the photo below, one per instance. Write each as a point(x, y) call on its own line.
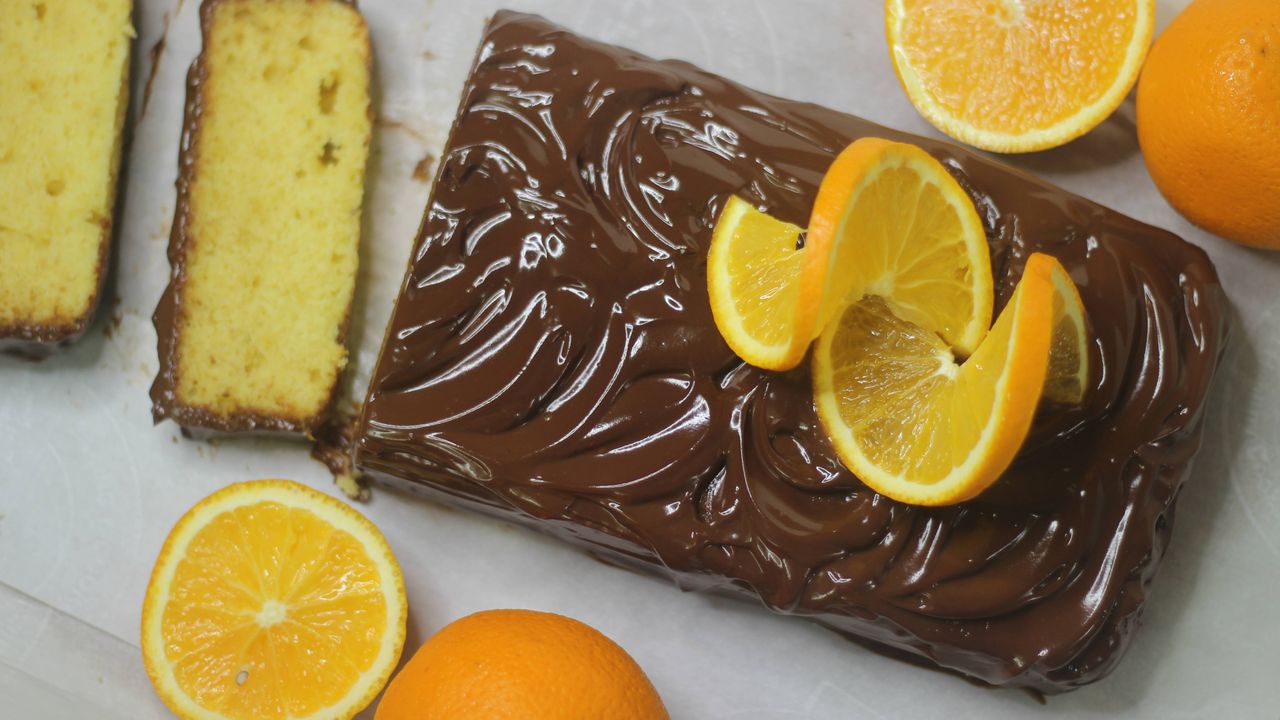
point(552, 359)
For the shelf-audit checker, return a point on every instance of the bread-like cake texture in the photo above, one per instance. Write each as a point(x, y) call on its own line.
point(266, 236)
point(64, 67)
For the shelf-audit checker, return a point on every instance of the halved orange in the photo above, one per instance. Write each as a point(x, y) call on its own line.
point(916, 425)
point(888, 220)
point(271, 600)
point(1017, 75)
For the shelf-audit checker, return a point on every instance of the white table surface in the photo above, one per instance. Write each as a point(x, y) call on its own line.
point(89, 487)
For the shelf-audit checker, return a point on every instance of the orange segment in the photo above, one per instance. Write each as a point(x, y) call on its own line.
point(1017, 75)
point(913, 424)
point(271, 600)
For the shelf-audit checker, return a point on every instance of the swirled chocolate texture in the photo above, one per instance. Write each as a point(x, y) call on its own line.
point(552, 359)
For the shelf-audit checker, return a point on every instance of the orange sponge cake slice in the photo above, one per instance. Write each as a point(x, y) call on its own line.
point(265, 241)
point(64, 67)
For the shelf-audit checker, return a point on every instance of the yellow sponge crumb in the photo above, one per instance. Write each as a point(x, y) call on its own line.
point(273, 208)
point(64, 68)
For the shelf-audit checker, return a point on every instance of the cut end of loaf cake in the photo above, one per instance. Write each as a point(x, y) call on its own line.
point(64, 68)
point(253, 326)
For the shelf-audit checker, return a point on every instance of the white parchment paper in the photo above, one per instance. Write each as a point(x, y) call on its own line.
point(89, 487)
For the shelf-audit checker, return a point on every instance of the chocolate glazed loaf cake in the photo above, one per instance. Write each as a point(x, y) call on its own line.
point(552, 359)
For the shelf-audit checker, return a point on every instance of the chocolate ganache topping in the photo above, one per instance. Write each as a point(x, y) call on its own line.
point(552, 358)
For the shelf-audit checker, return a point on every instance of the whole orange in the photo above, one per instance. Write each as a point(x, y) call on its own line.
point(1209, 117)
point(520, 665)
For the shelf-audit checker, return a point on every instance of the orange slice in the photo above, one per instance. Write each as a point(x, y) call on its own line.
point(915, 425)
point(888, 220)
point(753, 269)
point(1017, 75)
point(1068, 377)
point(271, 600)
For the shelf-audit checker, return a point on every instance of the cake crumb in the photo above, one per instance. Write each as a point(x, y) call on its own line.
point(113, 324)
point(351, 487)
point(422, 171)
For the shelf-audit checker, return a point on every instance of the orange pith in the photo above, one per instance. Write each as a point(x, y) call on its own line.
point(1017, 75)
point(271, 600)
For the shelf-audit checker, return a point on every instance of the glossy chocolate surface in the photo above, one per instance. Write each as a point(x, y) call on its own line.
point(552, 358)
